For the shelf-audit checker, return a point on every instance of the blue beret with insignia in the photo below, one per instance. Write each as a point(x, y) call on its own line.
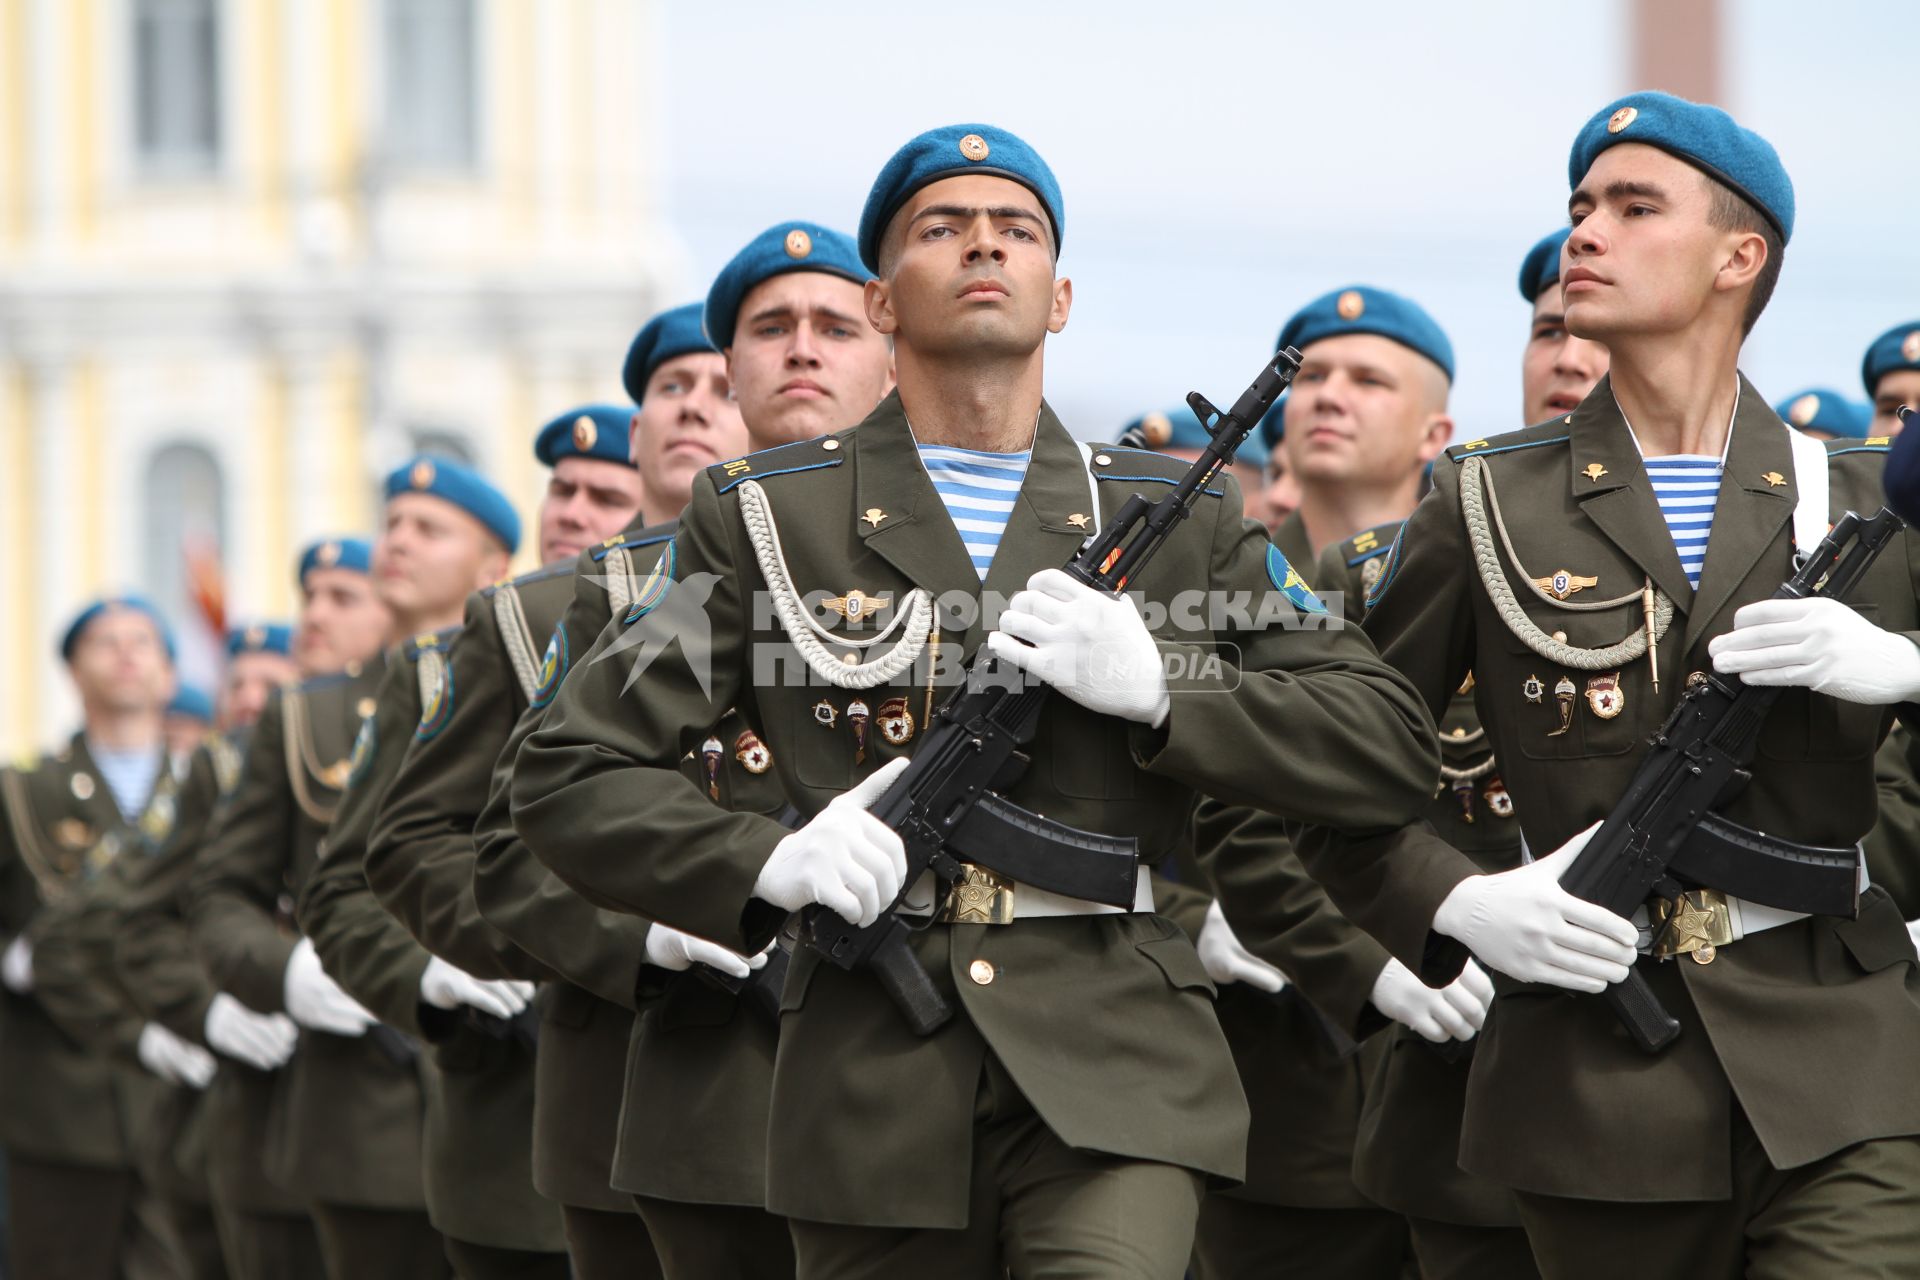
point(1897, 348)
point(261, 637)
point(465, 488)
point(1175, 428)
point(1541, 267)
point(1273, 427)
point(781, 249)
point(86, 616)
point(355, 554)
point(1363, 309)
point(193, 702)
point(591, 431)
point(669, 334)
point(947, 153)
point(1818, 409)
point(1705, 137)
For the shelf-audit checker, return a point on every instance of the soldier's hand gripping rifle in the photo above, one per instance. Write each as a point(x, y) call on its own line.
point(948, 806)
point(1663, 836)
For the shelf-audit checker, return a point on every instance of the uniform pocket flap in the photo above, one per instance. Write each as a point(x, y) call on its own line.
point(1178, 960)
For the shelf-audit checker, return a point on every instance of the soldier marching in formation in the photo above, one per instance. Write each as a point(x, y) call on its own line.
point(839, 860)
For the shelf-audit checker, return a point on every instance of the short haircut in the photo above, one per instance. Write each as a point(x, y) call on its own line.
point(1731, 211)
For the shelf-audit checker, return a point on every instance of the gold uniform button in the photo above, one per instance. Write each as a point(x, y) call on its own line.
point(365, 707)
point(1101, 460)
point(981, 971)
point(1559, 637)
point(829, 445)
point(1622, 118)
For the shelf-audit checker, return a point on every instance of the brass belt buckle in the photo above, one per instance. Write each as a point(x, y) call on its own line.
point(1697, 923)
point(982, 898)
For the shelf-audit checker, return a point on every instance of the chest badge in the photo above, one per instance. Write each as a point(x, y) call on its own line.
point(1534, 689)
point(1594, 471)
point(752, 753)
point(1605, 696)
point(1499, 803)
point(710, 753)
point(857, 606)
point(1563, 694)
point(824, 714)
point(896, 722)
point(1562, 583)
point(874, 516)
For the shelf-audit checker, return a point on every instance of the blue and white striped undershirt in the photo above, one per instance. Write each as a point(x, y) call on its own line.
point(1687, 486)
point(979, 490)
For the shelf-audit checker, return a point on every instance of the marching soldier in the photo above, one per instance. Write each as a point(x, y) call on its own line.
point(1016, 1132)
point(1891, 372)
point(1371, 361)
point(343, 1116)
point(80, 1105)
point(1557, 368)
point(479, 1134)
point(1672, 500)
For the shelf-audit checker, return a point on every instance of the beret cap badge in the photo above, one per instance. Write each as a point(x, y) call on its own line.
point(1910, 346)
point(1351, 305)
point(586, 433)
point(1156, 429)
point(421, 477)
point(798, 243)
point(328, 554)
point(1622, 118)
point(1804, 409)
point(974, 147)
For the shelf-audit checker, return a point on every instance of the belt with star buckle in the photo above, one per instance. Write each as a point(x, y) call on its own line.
point(1696, 923)
point(983, 897)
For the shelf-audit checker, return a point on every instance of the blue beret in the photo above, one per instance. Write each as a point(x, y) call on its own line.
point(781, 248)
point(591, 431)
point(261, 637)
point(1361, 309)
point(192, 701)
point(947, 153)
point(1705, 137)
point(1897, 348)
point(1822, 410)
point(1541, 266)
point(85, 617)
point(669, 334)
point(1175, 428)
point(465, 488)
point(1273, 427)
point(355, 554)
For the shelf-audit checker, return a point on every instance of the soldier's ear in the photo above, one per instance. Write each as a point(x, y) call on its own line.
point(1062, 304)
point(879, 304)
point(1433, 440)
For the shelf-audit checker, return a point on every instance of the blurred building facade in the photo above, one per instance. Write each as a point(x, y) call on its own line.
point(254, 252)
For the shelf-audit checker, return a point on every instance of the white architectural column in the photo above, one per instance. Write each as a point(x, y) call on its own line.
point(60, 584)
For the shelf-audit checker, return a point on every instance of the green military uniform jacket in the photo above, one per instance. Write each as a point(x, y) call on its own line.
point(1811, 1026)
point(478, 1098)
point(1407, 1153)
point(59, 829)
point(1893, 846)
point(871, 1124)
point(340, 1123)
point(698, 1069)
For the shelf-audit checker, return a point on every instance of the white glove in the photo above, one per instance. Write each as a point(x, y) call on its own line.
point(445, 987)
point(316, 1001)
point(1091, 646)
point(1522, 923)
point(16, 965)
point(845, 859)
point(263, 1041)
point(1819, 644)
point(1456, 1011)
point(1913, 932)
point(173, 1059)
point(672, 949)
point(1225, 960)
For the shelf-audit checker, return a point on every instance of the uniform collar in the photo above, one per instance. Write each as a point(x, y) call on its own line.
point(1606, 479)
point(1752, 509)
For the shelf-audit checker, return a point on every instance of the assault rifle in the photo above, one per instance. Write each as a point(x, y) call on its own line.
point(948, 806)
point(1663, 836)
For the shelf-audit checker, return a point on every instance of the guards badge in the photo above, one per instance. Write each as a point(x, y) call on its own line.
point(752, 753)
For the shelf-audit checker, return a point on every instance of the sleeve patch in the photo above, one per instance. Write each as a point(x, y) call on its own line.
point(654, 589)
point(363, 747)
point(1385, 579)
point(1287, 580)
point(553, 667)
point(436, 701)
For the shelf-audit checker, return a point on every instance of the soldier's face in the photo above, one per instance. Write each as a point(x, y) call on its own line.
point(687, 422)
point(342, 620)
point(588, 500)
point(804, 361)
point(1901, 387)
point(1643, 259)
point(249, 679)
point(1281, 491)
point(431, 554)
point(1364, 410)
point(967, 270)
point(1557, 370)
point(120, 663)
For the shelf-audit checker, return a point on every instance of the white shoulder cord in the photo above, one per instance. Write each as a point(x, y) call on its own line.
point(808, 636)
point(1810, 477)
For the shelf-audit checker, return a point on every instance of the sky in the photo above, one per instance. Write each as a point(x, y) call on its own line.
point(1224, 163)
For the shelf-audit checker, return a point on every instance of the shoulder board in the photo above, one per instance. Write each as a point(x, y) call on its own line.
point(781, 460)
point(1117, 462)
point(417, 647)
point(1552, 431)
point(319, 684)
point(1872, 444)
point(636, 538)
point(1368, 543)
point(557, 569)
